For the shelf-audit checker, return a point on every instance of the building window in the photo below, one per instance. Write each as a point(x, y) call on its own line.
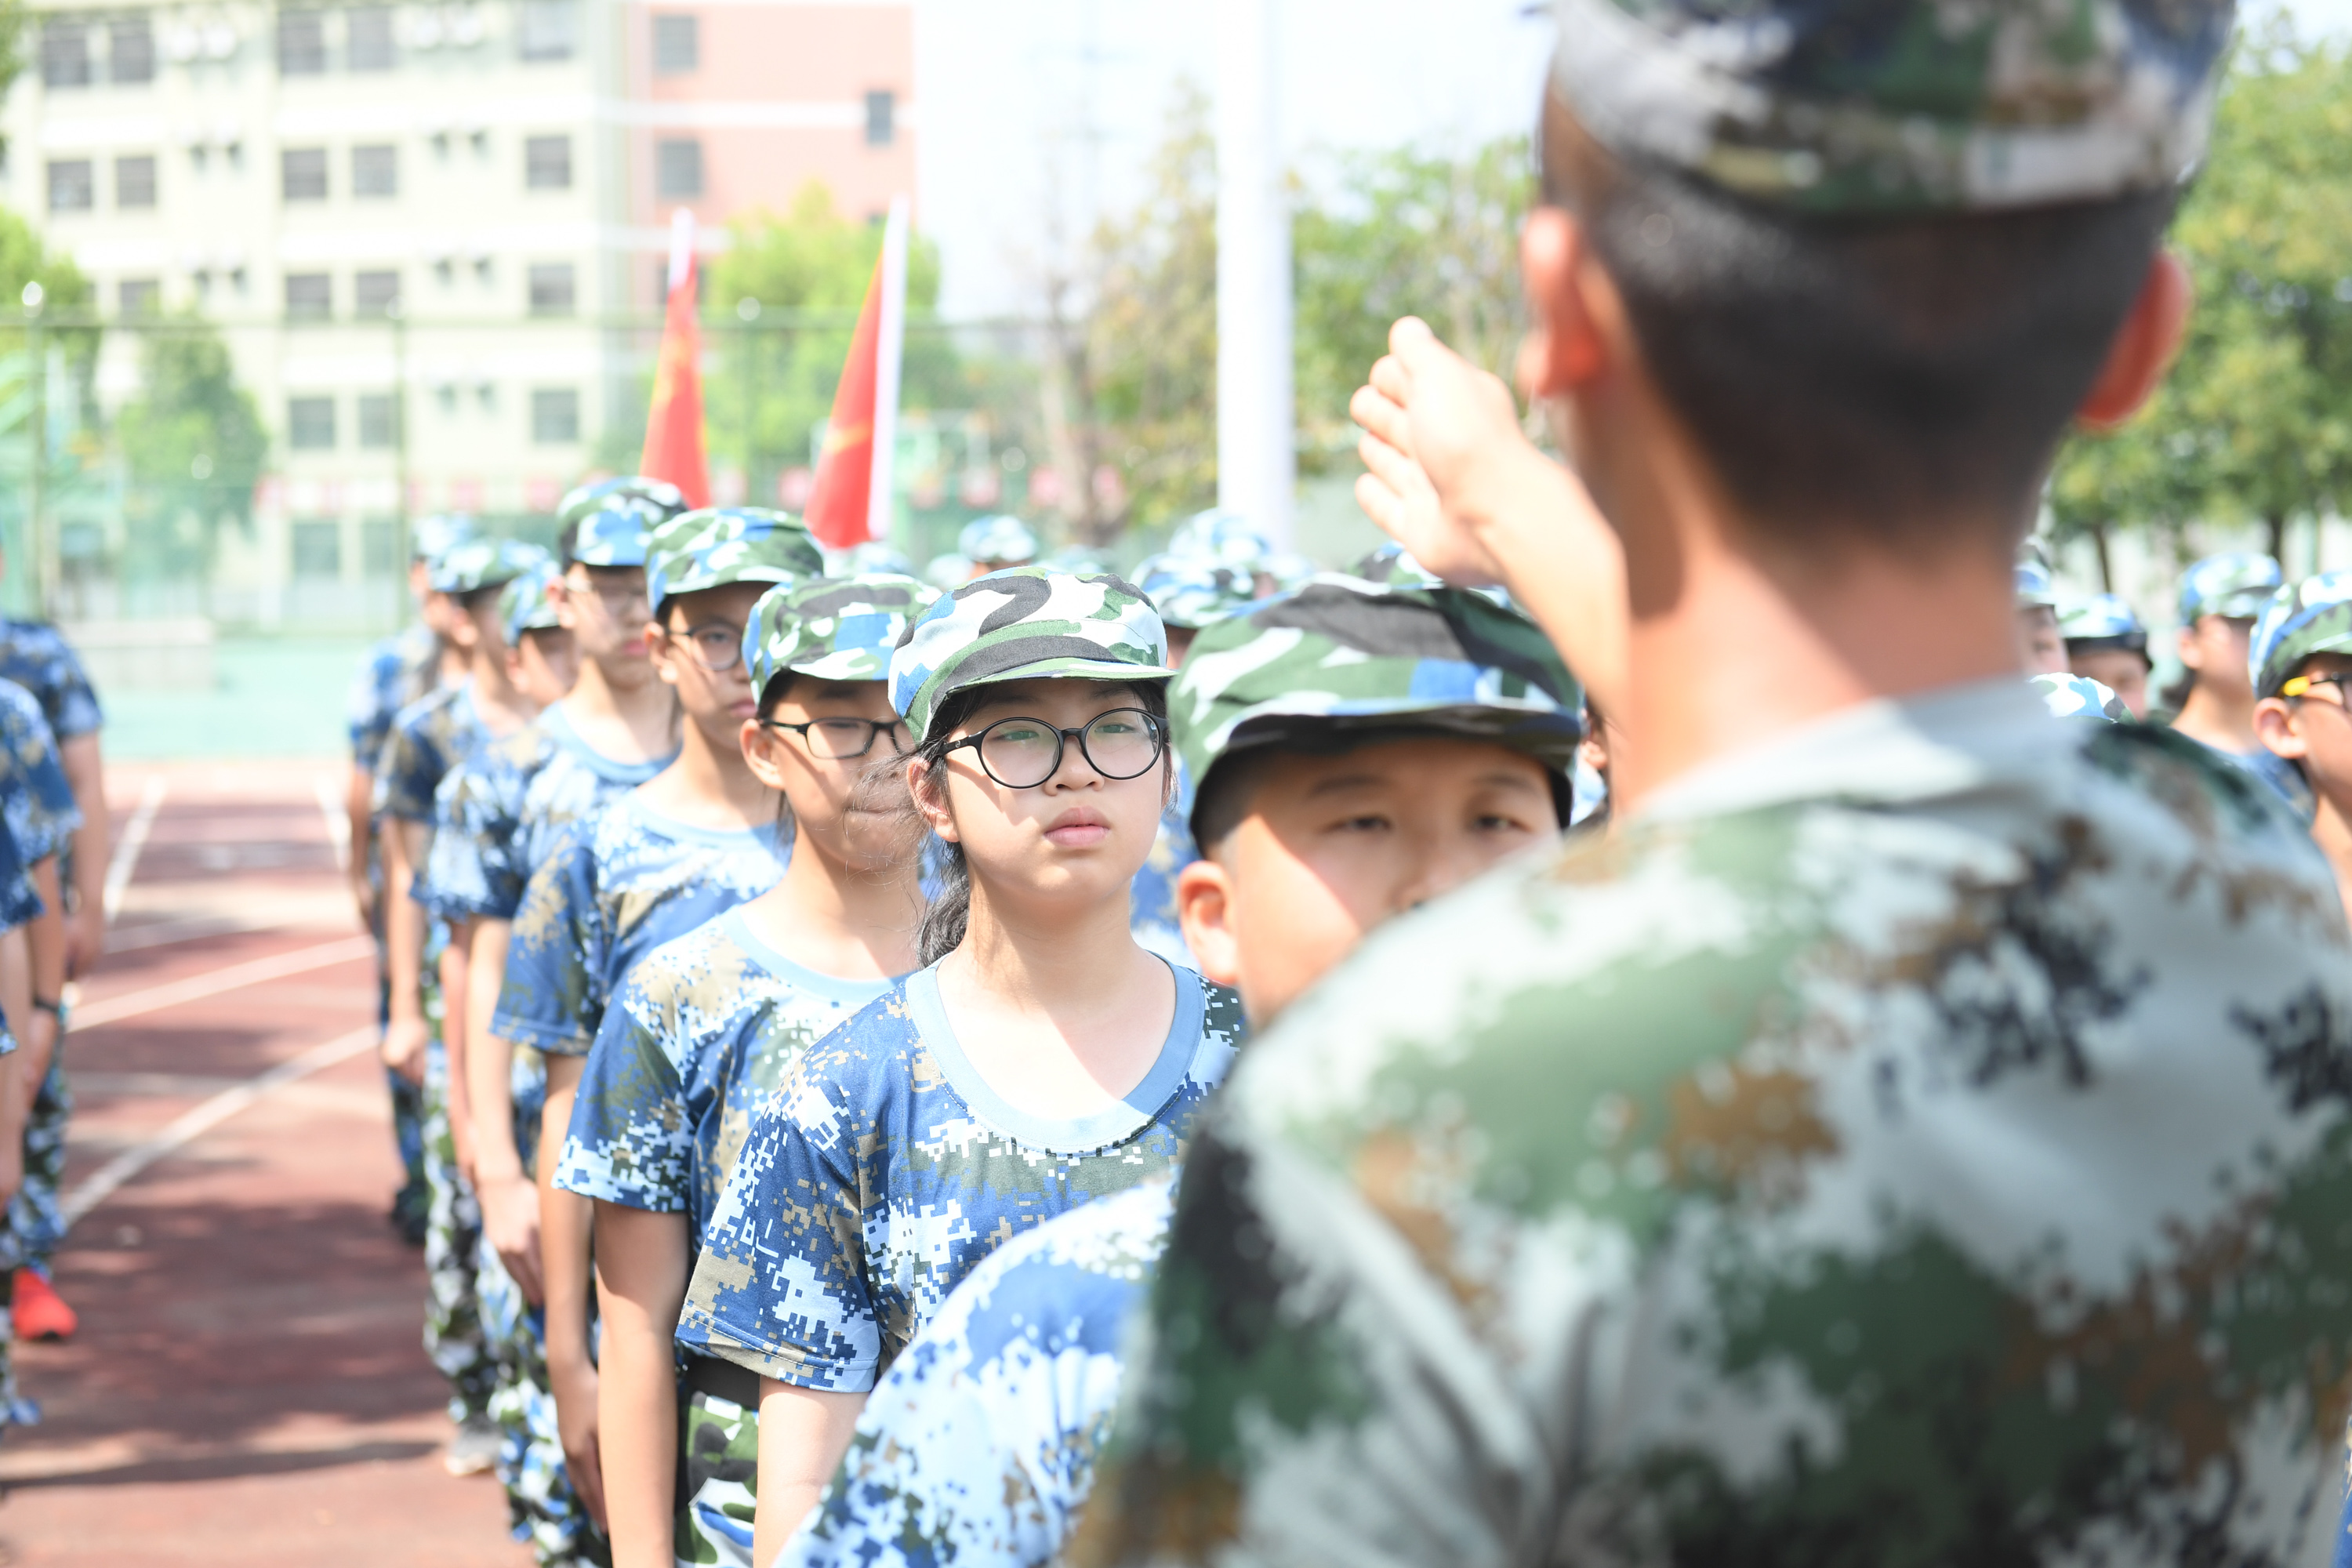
point(551, 288)
point(138, 296)
point(547, 163)
point(375, 171)
point(318, 546)
point(304, 174)
point(881, 119)
point(367, 38)
point(134, 181)
point(380, 546)
point(130, 51)
point(678, 45)
point(310, 423)
point(678, 166)
point(309, 296)
point(547, 29)
point(555, 415)
point(375, 294)
point(379, 420)
point(65, 54)
point(302, 42)
point(70, 182)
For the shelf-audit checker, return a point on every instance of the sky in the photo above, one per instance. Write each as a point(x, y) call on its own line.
point(1038, 114)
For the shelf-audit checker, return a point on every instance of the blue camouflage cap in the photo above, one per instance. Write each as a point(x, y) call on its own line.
point(526, 606)
point(2036, 588)
point(2079, 697)
point(2313, 616)
point(1341, 656)
point(949, 570)
point(1189, 592)
point(1221, 535)
point(659, 495)
point(1081, 559)
point(615, 534)
point(479, 563)
point(2237, 584)
point(833, 629)
point(429, 536)
point(2104, 618)
point(873, 557)
point(1003, 539)
point(1025, 622)
point(697, 551)
point(1901, 106)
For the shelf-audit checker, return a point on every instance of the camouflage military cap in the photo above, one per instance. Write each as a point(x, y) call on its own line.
point(1025, 622)
point(1900, 108)
point(949, 570)
point(2106, 618)
point(2237, 584)
point(429, 536)
point(659, 495)
point(873, 558)
point(481, 563)
point(1081, 559)
point(1339, 655)
point(2311, 616)
point(1191, 591)
point(613, 534)
point(526, 606)
point(2079, 697)
point(1003, 539)
point(715, 546)
point(2036, 588)
point(1221, 535)
point(833, 629)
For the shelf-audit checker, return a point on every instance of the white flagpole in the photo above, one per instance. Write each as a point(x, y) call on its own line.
point(681, 247)
point(889, 343)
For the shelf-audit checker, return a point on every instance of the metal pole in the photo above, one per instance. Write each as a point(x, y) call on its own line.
point(1257, 463)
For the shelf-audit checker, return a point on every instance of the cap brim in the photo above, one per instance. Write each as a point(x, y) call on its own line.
point(1066, 667)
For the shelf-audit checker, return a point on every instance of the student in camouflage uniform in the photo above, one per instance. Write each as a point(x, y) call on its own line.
point(20, 904)
point(1343, 782)
point(499, 820)
point(677, 851)
point(2106, 643)
point(2040, 647)
point(2079, 697)
point(2301, 651)
point(2220, 596)
point(430, 738)
point(968, 1102)
point(703, 1031)
point(1916, 1132)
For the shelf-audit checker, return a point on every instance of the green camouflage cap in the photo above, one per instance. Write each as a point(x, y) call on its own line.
point(2237, 584)
point(1342, 654)
point(2314, 615)
point(1191, 591)
point(659, 496)
point(1025, 622)
point(1900, 107)
point(2079, 697)
point(526, 606)
point(2036, 588)
point(719, 545)
point(833, 628)
point(479, 563)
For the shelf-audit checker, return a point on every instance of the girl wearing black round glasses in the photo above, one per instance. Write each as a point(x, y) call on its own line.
point(1040, 1059)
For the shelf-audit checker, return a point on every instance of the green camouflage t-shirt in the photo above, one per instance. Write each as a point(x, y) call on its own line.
point(1922, 1140)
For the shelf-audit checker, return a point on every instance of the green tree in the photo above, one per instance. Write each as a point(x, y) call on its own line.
point(195, 447)
point(2254, 422)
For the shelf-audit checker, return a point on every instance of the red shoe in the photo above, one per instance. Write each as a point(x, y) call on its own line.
point(40, 1313)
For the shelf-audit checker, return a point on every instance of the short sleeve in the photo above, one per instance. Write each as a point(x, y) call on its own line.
point(69, 701)
point(19, 902)
point(409, 771)
point(471, 872)
point(630, 1141)
point(39, 801)
point(369, 707)
point(556, 945)
point(781, 1286)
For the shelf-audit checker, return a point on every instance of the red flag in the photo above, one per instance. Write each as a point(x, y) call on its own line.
point(850, 501)
point(674, 423)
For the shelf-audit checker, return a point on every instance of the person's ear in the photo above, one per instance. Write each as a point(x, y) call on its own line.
point(1564, 347)
point(566, 603)
point(2143, 346)
point(927, 788)
point(1204, 907)
point(2191, 650)
point(759, 744)
point(2275, 727)
point(662, 651)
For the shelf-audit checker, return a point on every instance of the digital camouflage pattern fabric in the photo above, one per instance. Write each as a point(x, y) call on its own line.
point(428, 738)
point(37, 658)
point(1025, 622)
point(841, 629)
point(1899, 109)
point(544, 1512)
point(661, 498)
point(37, 810)
point(395, 672)
point(480, 563)
point(36, 800)
point(703, 1031)
point(615, 888)
point(2314, 616)
point(697, 551)
point(977, 1448)
point(2104, 620)
point(454, 1338)
point(1922, 1138)
point(2079, 697)
point(2238, 583)
point(1189, 592)
point(885, 1169)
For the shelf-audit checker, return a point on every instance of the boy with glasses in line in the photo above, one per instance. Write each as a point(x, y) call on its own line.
point(2301, 654)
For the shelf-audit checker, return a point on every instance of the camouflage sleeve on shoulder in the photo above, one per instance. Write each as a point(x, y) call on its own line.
point(410, 770)
point(39, 801)
point(73, 708)
point(629, 1142)
point(370, 704)
point(472, 870)
point(19, 902)
point(557, 938)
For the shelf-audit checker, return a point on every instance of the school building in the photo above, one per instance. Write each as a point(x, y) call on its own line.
point(432, 235)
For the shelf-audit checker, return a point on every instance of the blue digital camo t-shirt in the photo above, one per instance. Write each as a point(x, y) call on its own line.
point(702, 1033)
point(886, 1168)
point(977, 1448)
point(614, 889)
point(393, 673)
point(37, 659)
point(428, 737)
point(19, 901)
point(36, 800)
point(501, 815)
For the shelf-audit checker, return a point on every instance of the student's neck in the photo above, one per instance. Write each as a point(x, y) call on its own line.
point(2222, 720)
point(451, 665)
point(709, 787)
point(1732, 644)
point(839, 918)
point(503, 709)
point(1038, 962)
point(633, 723)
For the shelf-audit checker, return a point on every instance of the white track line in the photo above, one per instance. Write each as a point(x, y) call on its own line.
point(107, 1010)
point(194, 1123)
point(338, 822)
point(127, 847)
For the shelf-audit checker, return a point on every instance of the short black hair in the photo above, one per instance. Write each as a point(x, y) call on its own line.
point(1222, 800)
point(1848, 375)
point(473, 599)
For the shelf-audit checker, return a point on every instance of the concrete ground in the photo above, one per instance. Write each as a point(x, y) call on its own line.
point(248, 1384)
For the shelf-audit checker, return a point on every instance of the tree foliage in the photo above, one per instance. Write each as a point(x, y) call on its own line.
point(195, 445)
point(2254, 422)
